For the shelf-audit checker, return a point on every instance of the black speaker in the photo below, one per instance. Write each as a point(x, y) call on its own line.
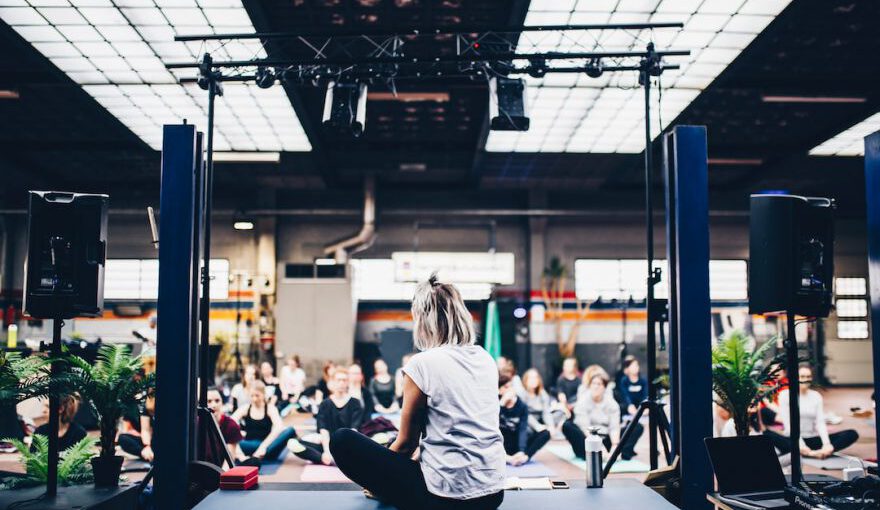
point(791, 254)
point(507, 105)
point(67, 245)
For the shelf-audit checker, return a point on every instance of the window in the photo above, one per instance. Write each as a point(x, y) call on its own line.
point(851, 307)
point(138, 279)
point(373, 280)
point(625, 278)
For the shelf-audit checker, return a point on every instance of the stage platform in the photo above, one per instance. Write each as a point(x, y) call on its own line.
point(616, 495)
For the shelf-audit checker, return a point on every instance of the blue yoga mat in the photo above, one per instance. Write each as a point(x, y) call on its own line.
point(271, 467)
point(565, 453)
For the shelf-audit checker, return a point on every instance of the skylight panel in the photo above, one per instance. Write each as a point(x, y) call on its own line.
point(612, 120)
point(116, 50)
point(851, 141)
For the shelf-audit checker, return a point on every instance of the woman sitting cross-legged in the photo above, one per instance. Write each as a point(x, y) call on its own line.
point(265, 434)
point(520, 442)
point(339, 411)
point(598, 410)
point(450, 397)
point(815, 441)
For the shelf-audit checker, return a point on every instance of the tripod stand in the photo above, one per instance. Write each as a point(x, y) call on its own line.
point(656, 416)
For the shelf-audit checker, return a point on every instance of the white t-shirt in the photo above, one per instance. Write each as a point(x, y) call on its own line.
point(812, 415)
point(462, 453)
point(293, 382)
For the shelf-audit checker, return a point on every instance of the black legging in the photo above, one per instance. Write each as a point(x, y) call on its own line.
point(839, 440)
point(131, 444)
point(576, 438)
point(535, 442)
point(394, 478)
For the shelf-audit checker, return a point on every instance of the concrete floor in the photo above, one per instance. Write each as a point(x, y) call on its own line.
point(837, 400)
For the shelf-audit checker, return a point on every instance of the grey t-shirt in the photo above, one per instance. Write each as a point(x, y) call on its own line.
point(462, 453)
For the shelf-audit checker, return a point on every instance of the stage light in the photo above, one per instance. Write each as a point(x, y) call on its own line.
point(325, 262)
point(345, 107)
point(594, 68)
point(519, 312)
point(265, 77)
point(243, 225)
point(507, 105)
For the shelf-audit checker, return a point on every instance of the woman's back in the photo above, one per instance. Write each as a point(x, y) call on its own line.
point(462, 451)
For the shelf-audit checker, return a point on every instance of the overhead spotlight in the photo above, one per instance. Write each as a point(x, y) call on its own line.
point(205, 70)
point(265, 77)
point(345, 107)
point(537, 68)
point(594, 68)
point(507, 105)
point(243, 225)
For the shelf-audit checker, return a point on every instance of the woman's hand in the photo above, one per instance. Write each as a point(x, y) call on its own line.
point(327, 459)
point(147, 453)
point(260, 452)
point(825, 452)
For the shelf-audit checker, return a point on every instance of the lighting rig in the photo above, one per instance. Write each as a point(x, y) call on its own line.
point(347, 63)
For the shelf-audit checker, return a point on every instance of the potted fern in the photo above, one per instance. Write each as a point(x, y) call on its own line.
point(113, 386)
point(741, 376)
point(73, 467)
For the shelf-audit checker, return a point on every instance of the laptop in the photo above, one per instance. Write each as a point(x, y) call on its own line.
point(748, 472)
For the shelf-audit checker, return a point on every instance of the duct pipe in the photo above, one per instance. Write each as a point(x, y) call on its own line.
point(341, 250)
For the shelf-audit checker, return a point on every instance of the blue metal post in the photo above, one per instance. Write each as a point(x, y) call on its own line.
point(175, 402)
point(872, 199)
point(693, 324)
point(672, 279)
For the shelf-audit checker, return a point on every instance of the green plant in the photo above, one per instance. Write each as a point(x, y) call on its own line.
point(73, 467)
point(741, 376)
point(22, 378)
point(113, 386)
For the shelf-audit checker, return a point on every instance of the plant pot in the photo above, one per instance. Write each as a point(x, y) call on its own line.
point(106, 470)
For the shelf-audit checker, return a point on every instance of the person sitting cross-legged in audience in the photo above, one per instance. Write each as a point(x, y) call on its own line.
point(567, 384)
point(293, 381)
point(357, 387)
point(383, 389)
point(265, 433)
point(815, 441)
point(138, 440)
point(241, 391)
point(506, 365)
point(597, 409)
point(633, 387)
point(544, 412)
point(69, 432)
point(339, 411)
point(229, 429)
point(520, 443)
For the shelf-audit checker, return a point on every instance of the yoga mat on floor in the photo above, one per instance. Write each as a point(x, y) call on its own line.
point(271, 467)
point(616, 495)
point(832, 463)
point(322, 474)
point(531, 469)
point(135, 466)
point(564, 452)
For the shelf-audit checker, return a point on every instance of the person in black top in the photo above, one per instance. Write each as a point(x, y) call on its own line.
point(357, 388)
point(138, 440)
point(567, 384)
point(69, 432)
point(633, 387)
point(520, 442)
point(265, 434)
point(339, 411)
point(382, 388)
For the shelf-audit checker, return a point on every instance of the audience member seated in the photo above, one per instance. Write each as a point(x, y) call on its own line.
point(273, 384)
point(316, 393)
point(506, 365)
point(815, 441)
point(398, 378)
point(69, 432)
point(293, 380)
point(357, 388)
point(139, 440)
point(265, 434)
point(520, 443)
point(241, 392)
point(769, 407)
point(633, 387)
point(383, 389)
point(229, 429)
point(544, 412)
point(598, 410)
point(339, 411)
point(567, 384)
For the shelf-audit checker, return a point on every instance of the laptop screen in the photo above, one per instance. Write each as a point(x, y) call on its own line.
point(745, 464)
